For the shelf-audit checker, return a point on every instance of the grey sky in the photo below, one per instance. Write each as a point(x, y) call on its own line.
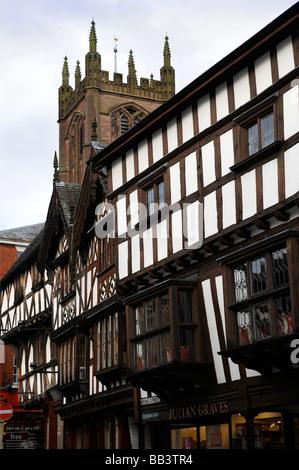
point(35, 35)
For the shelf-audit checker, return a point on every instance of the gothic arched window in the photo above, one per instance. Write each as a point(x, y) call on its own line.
point(124, 118)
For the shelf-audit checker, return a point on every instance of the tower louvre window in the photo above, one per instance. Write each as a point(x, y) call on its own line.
point(124, 124)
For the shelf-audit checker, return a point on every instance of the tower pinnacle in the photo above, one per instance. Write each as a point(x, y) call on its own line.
point(93, 38)
point(65, 72)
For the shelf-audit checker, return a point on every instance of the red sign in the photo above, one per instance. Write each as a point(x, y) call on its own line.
point(6, 411)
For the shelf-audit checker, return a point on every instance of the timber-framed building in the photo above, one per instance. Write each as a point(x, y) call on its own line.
point(171, 270)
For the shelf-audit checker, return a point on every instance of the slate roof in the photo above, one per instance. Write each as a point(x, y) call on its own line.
point(68, 194)
point(25, 256)
point(26, 233)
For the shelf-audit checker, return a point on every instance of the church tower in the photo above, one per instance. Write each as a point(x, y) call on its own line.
point(114, 105)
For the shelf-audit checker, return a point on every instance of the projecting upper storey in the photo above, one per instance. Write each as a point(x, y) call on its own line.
point(222, 155)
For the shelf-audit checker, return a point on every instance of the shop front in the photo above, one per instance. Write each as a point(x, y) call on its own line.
point(215, 425)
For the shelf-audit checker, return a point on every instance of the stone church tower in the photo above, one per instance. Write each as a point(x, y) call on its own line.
point(107, 107)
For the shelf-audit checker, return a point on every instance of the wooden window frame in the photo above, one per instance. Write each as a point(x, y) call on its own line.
point(245, 122)
point(174, 327)
point(107, 342)
point(271, 295)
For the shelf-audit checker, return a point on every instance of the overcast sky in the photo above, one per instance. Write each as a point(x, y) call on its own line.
point(35, 35)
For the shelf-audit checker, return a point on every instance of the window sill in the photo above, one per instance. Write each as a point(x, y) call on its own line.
point(258, 156)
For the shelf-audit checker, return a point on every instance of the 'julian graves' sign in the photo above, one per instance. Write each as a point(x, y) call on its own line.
point(196, 411)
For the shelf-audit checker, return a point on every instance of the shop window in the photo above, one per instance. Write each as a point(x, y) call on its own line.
point(267, 431)
point(262, 299)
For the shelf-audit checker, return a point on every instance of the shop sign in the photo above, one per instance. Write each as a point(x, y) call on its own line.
point(153, 415)
point(24, 436)
point(149, 400)
point(198, 411)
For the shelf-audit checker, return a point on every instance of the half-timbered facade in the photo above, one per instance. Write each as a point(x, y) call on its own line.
point(205, 202)
point(169, 277)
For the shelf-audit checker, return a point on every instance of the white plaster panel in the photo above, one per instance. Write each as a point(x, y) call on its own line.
point(135, 250)
point(248, 184)
point(204, 112)
point(162, 240)
point(157, 143)
point(4, 305)
point(194, 232)
point(234, 368)
point(130, 167)
point(142, 156)
point(210, 214)
point(191, 173)
point(121, 216)
point(175, 183)
point(263, 74)
point(222, 109)
point(148, 247)
point(270, 183)
point(285, 57)
point(213, 331)
point(291, 165)
point(172, 135)
point(208, 163)
point(134, 213)
point(291, 111)
point(241, 88)
point(177, 231)
point(123, 259)
point(187, 124)
point(229, 204)
point(226, 151)
point(117, 173)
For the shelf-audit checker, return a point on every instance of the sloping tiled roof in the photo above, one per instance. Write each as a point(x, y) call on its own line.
point(25, 256)
point(68, 194)
point(26, 233)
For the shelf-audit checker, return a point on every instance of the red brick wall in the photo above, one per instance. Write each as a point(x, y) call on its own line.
point(8, 255)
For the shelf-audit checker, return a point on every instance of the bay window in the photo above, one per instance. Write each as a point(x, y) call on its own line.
point(262, 302)
point(163, 328)
point(107, 342)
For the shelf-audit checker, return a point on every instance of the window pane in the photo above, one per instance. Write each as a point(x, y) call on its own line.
point(185, 307)
point(280, 268)
point(187, 345)
point(267, 130)
point(283, 315)
point(152, 352)
point(165, 319)
point(253, 139)
point(151, 317)
point(241, 290)
point(139, 356)
point(139, 320)
point(244, 327)
point(161, 194)
point(115, 340)
point(150, 207)
point(166, 353)
point(262, 324)
point(104, 343)
point(258, 276)
point(82, 358)
point(109, 342)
